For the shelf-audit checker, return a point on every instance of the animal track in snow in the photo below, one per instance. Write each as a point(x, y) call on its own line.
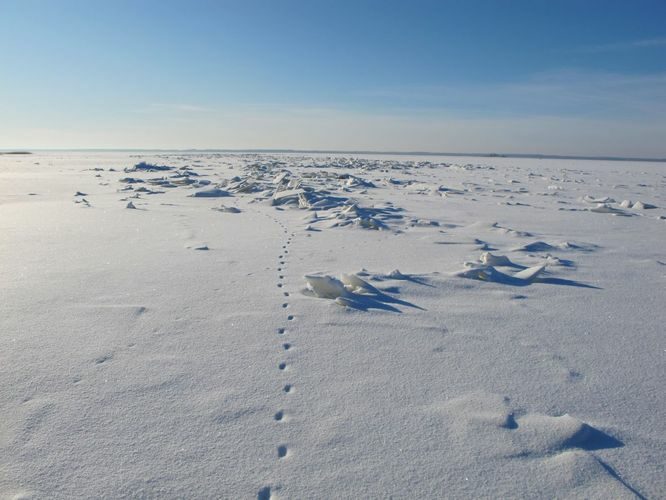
point(264, 493)
point(103, 358)
point(279, 416)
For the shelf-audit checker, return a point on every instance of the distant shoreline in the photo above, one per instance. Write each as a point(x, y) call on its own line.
point(349, 152)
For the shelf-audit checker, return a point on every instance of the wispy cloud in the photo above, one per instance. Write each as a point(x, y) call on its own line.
point(180, 108)
point(564, 93)
point(186, 108)
point(319, 128)
point(645, 43)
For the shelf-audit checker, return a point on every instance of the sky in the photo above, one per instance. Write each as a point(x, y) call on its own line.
point(580, 77)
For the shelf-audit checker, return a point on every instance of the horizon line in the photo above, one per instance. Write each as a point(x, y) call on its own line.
point(341, 151)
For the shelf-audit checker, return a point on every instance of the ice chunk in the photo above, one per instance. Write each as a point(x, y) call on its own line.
point(355, 284)
point(210, 193)
point(495, 260)
point(530, 273)
point(326, 287)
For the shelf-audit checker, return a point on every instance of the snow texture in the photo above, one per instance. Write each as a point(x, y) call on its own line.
point(344, 327)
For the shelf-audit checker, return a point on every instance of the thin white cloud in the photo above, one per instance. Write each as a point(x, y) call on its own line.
point(564, 93)
point(171, 108)
point(186, 108)
point(564, 112)
point(331, 129)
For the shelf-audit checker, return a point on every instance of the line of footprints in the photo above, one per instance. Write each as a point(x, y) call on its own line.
point(283, 365)
point(286, 346)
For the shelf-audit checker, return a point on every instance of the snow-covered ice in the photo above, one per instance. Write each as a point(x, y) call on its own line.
point(518, 351)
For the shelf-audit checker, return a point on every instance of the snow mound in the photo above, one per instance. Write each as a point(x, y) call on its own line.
point(228, 210)
point(210, 193)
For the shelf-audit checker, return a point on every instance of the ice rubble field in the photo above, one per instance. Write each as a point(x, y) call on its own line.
point(320, 326)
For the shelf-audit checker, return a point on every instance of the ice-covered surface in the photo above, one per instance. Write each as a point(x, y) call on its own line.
point(173, 350)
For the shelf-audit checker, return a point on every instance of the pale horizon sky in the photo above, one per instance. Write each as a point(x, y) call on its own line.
point(565, 78)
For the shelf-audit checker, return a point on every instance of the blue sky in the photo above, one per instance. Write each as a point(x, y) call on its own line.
point(560, 77)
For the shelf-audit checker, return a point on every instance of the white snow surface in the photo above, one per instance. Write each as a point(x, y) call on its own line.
point(174, 351)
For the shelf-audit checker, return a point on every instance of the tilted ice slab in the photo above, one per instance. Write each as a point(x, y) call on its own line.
point(328, 287)
point(489, 273)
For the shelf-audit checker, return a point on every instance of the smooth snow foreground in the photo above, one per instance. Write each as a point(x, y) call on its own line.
point(274, 326)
